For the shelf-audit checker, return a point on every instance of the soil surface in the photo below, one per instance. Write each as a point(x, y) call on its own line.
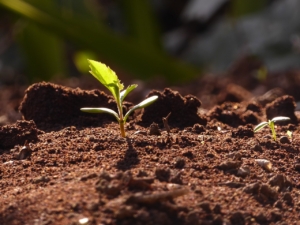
point(191, 157)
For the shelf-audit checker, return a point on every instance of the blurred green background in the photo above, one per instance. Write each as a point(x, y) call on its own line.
point(144, 39)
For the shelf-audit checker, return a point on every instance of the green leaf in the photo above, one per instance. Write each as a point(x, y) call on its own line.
point(260, 126)
point(141, 105)
point(101, 110)
point(107, 77)
point(125, 92)
point(280, 118)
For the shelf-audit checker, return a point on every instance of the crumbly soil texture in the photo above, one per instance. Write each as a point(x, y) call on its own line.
point(179, 163)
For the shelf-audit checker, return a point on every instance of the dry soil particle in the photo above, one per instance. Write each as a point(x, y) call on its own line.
point(184, 110)
point(18, 133)
point(54, 106)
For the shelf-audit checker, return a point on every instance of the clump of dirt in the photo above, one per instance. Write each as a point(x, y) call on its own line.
point(57, 106)
point(184, 110)
point(282, 106)
point(18, 133)
point(234, 93)
point(235, 114)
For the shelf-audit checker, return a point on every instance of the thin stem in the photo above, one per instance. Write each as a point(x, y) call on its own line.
point(272, 126)
point(122, 129)
point(121, 121)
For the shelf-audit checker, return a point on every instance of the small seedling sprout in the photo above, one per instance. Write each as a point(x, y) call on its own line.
point(110, 80)
point(271, 124)
point(290, 134)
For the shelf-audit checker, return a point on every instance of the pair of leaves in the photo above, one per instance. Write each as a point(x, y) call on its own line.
point(271, 124)
point(110, 80)
point(141, 105)
point(272, 121)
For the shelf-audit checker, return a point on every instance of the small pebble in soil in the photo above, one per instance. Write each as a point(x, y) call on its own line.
point(88, 176)
point(265, 164)
point(284, 140)
point(268, 192)
point(25, 152)
point(230, 164)
point(84, 220)
point(244, 171)
point(281, 181)
point(252, 188)
point(41, 179)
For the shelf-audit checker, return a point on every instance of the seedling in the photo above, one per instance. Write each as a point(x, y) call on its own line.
point(290, 134)
point(271, 124)
point(110, 80)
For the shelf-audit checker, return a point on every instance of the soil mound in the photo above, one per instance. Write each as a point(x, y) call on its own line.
point(282, 106)
point(53, 107)
point(184, 110)
point(236, 114)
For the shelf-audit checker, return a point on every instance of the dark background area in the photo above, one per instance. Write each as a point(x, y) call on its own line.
point(173, 42)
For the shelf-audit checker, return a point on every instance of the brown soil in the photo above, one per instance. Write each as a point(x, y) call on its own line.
point(62, 166)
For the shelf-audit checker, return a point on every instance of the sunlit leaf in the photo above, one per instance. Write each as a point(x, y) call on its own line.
point(141, 105)
point(125, 92)
point(280, 118)
point(107, 77)
point(260, 126)
point(100, 110)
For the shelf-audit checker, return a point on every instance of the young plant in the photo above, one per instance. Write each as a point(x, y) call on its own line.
point(290, 134)
point(110, 80)
point(271, 124)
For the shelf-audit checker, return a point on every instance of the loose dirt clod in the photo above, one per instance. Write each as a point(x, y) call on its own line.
point(184, 110)
point(18, 134)
point(58, 106)
point(282, 106)
point(230, 164)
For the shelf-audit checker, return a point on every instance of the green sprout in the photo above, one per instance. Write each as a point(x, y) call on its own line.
point(290, 134)
point(271, 124)
point(110, 80)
